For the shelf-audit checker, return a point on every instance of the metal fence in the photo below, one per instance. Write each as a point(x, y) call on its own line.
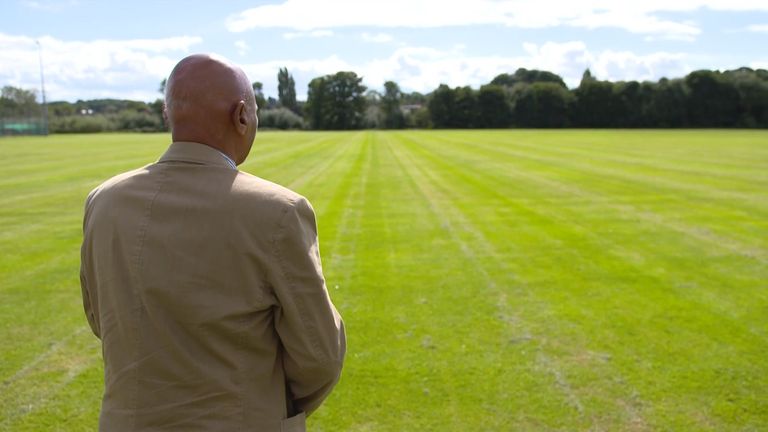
point(23, 126)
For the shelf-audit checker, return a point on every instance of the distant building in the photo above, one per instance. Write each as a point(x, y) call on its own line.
point(407, 109)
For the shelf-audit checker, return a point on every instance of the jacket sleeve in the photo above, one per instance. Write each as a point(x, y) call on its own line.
point(310, 329)
point(85, 288)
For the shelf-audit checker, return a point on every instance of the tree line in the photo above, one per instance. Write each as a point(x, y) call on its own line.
point(531, 99)
point(540, 99)
point(523, 99)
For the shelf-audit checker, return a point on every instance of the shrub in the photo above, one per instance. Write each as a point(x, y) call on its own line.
point(280, 118)
point(80, 124)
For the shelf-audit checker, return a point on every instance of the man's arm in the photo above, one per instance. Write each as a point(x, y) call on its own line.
point(310, 328)
point(90, 313)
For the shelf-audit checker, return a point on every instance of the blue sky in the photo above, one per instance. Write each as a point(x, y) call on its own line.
point(96, 49)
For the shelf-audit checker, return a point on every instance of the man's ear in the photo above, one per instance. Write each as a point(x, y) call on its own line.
point(165, 116)
point(239, 118)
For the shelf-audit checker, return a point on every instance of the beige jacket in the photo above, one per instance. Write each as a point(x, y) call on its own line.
point(205, 286)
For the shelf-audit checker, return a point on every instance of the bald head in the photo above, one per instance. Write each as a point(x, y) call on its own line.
point(210, 101)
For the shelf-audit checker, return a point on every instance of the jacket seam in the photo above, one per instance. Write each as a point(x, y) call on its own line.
point(137, 313)
point(313, 337)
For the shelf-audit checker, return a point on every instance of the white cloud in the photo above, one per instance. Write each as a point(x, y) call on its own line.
point(50, 5)
point(625, 65)
point(376, 38)
point(308, 34)
point(133, 68)
point(570, 59)
point(758, 28)
point(316, 67)
point(242, 47)
point(636, 17)
point(92, 69)
point(423, 69)
point(302, 70)
point(640, 23)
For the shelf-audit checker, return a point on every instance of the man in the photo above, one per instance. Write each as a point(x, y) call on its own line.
point(203, 282)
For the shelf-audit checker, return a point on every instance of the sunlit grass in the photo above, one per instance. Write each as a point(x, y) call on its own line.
point(489, 280)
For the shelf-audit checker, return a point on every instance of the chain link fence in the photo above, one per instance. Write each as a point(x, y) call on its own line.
point(10, 126)
point(21, 113)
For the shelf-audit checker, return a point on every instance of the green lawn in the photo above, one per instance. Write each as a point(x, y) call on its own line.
point(489, 280)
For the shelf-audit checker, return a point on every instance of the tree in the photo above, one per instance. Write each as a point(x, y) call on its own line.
point(318, 103)
point(415, 111)
point(17, 94)
point(454, 108)
point(528, 106)
point(753, 93)
point(630, 102)
point(523, 75)
point(466, 108)
point(541, 105)
point(414, 98)
point(493, 107)
point(390, 105)
point(595, 105)
point(373, 118)
point(17, 101)
point(258, 93)
point(280, 118)
point(61, 108)
point(336, 101)
point(286, 90)
point(712, 102)
point(667, 104)
point(158, 106)
point(442, 107)
point(419, 118)
point(157, 109)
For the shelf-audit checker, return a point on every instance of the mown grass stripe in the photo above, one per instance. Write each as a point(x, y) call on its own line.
point(502, 182)
point(620, 178)
point(469, 177)
point(266, 158)
point(699, 233)
point(453, 223)
point(541, 296)
point(43, 381)
point(652, 166)
point(546, 362)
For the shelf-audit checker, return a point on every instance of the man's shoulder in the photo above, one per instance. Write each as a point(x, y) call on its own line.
point(116, 182)
point(258, 190)
point(252, 195)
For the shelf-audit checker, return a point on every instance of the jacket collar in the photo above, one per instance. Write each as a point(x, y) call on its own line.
point(186, 151)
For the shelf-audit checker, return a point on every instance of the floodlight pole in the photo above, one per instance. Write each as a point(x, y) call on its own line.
point(42, 87)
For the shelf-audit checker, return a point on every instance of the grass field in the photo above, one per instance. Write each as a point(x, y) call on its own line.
point(495, 280)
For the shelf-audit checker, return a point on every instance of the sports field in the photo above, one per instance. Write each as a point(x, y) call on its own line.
point(495, 280)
